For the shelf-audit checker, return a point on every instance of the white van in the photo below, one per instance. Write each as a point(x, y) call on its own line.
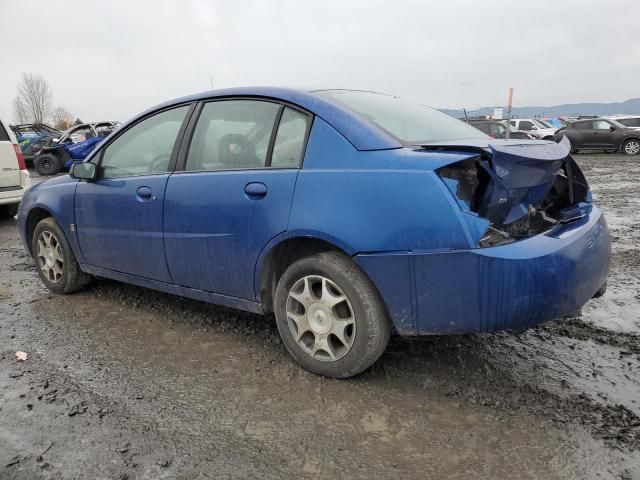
point(14, 176)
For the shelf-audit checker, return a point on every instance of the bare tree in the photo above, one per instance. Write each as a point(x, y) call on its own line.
point(34, 95)
point(62, 119)
point(19, 111)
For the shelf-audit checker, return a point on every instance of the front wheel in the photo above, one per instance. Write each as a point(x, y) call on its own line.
point(55, 261)
point(47, 164)
point(330, 316)
point(631, 147)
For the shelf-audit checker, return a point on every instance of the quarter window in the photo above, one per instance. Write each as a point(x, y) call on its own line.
point(232, 134)
point(145, 148)
point(288, 147)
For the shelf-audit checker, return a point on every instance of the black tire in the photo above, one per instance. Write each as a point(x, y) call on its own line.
point(47, 164)
point(372, 325)
point(8, 210)
point(631, 147)
point(72, 278)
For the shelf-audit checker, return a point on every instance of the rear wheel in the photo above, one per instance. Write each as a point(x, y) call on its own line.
point(330, 316)
point(47, 164)
point(631, 147)
point(9, 210)
point(55, 261)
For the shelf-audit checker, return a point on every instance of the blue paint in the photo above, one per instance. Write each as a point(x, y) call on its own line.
point(214, 233)
point(206, 235)
point(118, 230)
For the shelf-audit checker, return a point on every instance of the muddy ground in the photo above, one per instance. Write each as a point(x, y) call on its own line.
point(127, 383)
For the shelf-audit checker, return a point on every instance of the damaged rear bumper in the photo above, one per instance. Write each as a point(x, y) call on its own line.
point(514, 286)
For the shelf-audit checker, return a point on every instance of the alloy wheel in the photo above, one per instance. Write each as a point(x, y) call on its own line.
point(632, 147)
point(50, 257)
point(320, 318)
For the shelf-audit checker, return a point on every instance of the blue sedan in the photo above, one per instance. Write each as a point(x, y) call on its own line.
point(344, 213)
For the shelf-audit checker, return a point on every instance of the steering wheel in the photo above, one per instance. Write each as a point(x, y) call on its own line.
point(237, 150)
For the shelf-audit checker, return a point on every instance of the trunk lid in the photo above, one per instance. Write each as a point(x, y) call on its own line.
point(518, 188)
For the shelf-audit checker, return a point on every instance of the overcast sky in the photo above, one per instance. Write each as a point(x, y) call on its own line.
point(110, 59)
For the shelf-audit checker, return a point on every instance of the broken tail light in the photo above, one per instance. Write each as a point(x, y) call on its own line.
point(512, 192)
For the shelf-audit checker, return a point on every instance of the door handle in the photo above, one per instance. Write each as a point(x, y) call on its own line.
point(255, 190)
point(145, 194)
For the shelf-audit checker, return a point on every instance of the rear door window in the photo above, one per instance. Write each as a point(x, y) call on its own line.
point(288, 148)
point(232, 134)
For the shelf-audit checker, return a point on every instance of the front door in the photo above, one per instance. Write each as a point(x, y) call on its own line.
point(234, 194)
point(119, 215)
point(602, 134)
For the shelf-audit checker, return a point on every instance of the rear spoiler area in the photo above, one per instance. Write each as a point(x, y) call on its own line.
point(516, 190)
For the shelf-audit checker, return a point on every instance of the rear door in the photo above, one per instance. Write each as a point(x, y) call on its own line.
point(119, 215)
point(234, 194)
point(583, 134)
point(9, 170)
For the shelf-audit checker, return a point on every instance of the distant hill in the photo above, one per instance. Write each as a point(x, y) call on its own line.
point(631, 106)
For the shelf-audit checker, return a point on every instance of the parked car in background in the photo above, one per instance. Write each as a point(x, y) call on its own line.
point(71, 146)
point(14, 176)
point(498, 129)
point(629, 122)
point(343, 212)
point(534, 127)
point(601, 134)
point(32, 130)
point(32, 137)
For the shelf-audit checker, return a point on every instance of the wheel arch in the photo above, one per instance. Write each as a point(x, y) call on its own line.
point(35, 215)
point(635, 137)
point(284, 250)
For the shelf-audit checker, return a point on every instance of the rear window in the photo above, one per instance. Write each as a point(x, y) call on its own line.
point(411, 123)
point(4, 136)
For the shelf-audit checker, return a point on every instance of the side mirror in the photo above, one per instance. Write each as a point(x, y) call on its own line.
point(534, 128)
point(612, 128)
point(83, 171)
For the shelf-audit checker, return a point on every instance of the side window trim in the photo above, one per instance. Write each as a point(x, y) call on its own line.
point(181, 160)
point(307, 134)
point(274, 133)
point(176, 146)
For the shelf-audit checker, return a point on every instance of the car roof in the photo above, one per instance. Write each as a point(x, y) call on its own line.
point(359, 131)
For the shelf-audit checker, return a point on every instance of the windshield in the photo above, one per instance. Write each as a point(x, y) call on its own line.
point(617, 123)
point(540, 123)
point(409, 122)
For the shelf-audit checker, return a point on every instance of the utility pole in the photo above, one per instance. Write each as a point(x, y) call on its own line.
point(509, 112)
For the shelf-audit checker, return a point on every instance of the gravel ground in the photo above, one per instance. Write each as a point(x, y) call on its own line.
point(127, 383)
